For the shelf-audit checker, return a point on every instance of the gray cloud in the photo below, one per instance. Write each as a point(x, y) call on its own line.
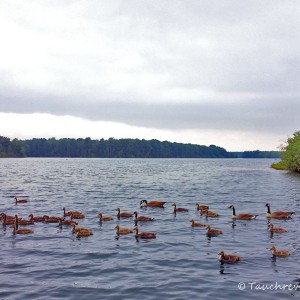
point(278, 114)
point(161, 64)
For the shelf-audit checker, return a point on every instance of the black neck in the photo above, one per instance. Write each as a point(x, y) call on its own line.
point(233, 210)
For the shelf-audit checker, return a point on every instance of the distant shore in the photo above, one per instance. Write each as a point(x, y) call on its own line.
point(118, 148)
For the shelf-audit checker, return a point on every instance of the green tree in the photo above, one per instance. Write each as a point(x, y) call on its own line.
point(291, 155)
point(17, 148)
point(4, 145)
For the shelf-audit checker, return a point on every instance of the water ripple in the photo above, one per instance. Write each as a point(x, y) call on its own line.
point(181, 263)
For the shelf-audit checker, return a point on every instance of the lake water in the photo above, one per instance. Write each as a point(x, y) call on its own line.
point(181, 263)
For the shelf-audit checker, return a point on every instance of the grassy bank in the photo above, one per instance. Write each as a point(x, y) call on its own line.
point(279, 166)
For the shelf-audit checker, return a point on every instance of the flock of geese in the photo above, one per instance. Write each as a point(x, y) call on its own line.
point(69, 217)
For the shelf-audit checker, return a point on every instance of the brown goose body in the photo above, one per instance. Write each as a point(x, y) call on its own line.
point(22, 221)
point(51, 219)
point(6, 216)
point(81, 232)
point(144, 235)
point(141, 218)
point(241, 216)
point(62, 221)
point(69, 213)
point(104, 219)
point(36, 218)
point(281, 253)
point(25, 222)
point(145, 203)
point(77, 216)
point(123, 215)
point(17, 201)
point(196, 224)
point(228, 258)
point(278, 214)
point(212, 232)
point(200, 206)
point(8, 220)
point(120, 230)
point(179, 209)
point(21, 230)
point(208, 213)
point(272, 228)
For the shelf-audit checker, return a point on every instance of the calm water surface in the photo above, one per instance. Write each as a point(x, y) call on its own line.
point(181, 263)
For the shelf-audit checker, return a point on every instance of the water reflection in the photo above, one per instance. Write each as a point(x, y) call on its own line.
point(210, 236)
point(222, 270)
point(273, 264)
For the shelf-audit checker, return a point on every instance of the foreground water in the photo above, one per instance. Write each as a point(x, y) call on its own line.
point(181, 263)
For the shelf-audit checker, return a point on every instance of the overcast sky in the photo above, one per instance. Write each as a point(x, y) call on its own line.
point(204, 72)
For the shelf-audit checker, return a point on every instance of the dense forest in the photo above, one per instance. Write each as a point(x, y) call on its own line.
point(118, 148)
point(14, 148)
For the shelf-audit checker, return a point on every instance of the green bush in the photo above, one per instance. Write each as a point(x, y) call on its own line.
point(291, 154)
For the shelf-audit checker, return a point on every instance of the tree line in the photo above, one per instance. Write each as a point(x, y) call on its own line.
point(117, 148)
point(258, 154)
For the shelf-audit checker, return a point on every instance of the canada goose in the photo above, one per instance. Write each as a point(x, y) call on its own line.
point(36, 218)
point(69, 213)
point(123, 215)
point(276, 252)
point(141, 218)
point(104, 219)
point(77, 215)
point(22, 221)
point(62, 221)
point(228, 258)
point(51, 219)
point(272, 228)
point(21, 230)
point(145, 203)
point(20, 200)
point(144, 235)
point(241, 216)
point(123, 230)
point(6, 216)
point(208, 213)
point(195, 224)
point(179, 209)
point(199, 207)
point(7, 220)
point(278, 214)
point(81, 232)
point(212, 232)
